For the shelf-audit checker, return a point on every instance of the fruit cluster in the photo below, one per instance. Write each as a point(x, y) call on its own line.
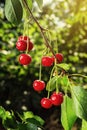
point(24, 44)
point(56, 98)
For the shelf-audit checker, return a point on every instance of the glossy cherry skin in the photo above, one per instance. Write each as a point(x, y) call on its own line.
point(25, 59)
point(30, 46)
point(59, 57)
point(46, 103)
point(23, 42)
point(21, 45)
point(47, 61)
point(57, 98)
point(38, 85)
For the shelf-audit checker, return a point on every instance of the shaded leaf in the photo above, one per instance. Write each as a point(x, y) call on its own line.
point(13, 11)
point(68, 116)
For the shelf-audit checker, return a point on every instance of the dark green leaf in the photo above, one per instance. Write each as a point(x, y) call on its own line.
point(84, 125)
point(68, 116)
point(40, 3)
point(79, 96)
point(41, 121)
point(13, 11)
point(27, 126)
point(64, 66)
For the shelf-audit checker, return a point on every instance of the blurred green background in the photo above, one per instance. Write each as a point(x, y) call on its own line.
point(67, 22)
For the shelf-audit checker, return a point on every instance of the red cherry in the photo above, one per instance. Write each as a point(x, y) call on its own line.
point(21, 45)
point(47, 61)
point(57, 98)
point(38, 85)
point(46, 103)
point(30, 46)
point(25, 38)
point(59, 57)
point(25, 59)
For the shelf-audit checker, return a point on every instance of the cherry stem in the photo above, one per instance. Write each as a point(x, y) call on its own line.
point(77, 75)
point(40, 27)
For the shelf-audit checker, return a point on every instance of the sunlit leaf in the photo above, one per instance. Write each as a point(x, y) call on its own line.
point(84, 125)
point(79, 96)
point(68, 116)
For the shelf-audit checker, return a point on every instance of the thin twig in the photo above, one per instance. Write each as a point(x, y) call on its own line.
point(40, 27)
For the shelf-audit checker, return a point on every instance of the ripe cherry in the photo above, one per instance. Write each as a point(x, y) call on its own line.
point(38, 85)
point(21, 45)
point(25, 59)
point(57, 98)
point(46, 103)
point(23, 42)
point(47, 61)
point(59, 57)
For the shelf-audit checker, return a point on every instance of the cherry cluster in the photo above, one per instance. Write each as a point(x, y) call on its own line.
point(24, 44)
point(55, 99)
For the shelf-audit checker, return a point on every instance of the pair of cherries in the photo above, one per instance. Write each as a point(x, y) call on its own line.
point(48, 61)
point(24, 44)
point(55, 99)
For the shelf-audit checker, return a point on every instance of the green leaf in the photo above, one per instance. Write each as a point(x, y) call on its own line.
point(27, 126)
point(68, 116)
point(2, 112)
point(40, 3)
point(28, 114)
point(52, 83)
point(41, 121)
point(79, 96)
point(13, 11)
point(64, 66)
point(84, 125)
point(65, 81)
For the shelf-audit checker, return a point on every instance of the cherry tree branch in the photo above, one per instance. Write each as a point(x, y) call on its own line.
point(40, 27)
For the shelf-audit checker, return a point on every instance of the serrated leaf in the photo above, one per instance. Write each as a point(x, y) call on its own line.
point(13, 11)
point(64, 66)
point(40, 3)
point(79, 96)
point(68, 116)
point(84, 125)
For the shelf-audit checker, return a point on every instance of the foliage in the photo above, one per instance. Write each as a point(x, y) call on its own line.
point(27, 120)
point(66, 31)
